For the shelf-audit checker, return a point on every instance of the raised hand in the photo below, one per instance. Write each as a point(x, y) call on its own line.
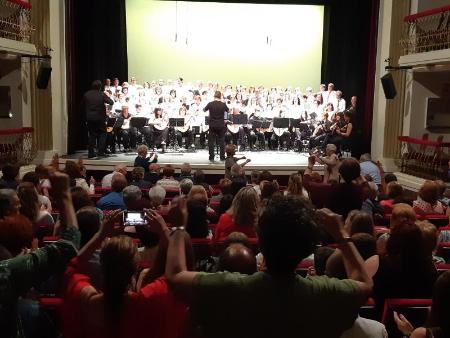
point(60, 183)
point(403, 324)
point(156, 221)
point(108, 222)
point(333, 223)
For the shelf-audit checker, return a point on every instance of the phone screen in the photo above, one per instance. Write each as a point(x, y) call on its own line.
point(133, 217)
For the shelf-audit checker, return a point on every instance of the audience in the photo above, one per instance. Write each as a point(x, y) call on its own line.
point(239, 258)
point(9, 203)
point(156, 195)
point(137, 178)
point(153, 173)
point(185, 172)
point(197, 218)
point(31, 208)
point(368, 167)
point(242, 215)
point(427, 201)
point(394, 194)
point(107, 179)
point(114, 199)
point(185, 186)
point(142, 160)
point(330, 163)
point(200, 179)
point(231, 160)
point(9, 177)
point(168, 181)
point(224, 187)
point(33, 178)
point(295, 186)
point(132, 197)
point(80, 198)
point(74, 171)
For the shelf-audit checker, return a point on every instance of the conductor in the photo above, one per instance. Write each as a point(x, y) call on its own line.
point(93, 103)
point(217, 114)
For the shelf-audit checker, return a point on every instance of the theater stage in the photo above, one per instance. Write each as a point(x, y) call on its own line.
point(278, 162)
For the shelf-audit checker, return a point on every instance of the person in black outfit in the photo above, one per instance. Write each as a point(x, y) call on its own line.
point(217, 110)
point(93, 104)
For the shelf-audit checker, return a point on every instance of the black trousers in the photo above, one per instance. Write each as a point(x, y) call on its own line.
point(216, 135)
point(97, 137)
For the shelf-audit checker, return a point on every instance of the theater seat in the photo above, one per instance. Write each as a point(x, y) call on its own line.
point(442, 268)
point(443, 250)
point(202, 248)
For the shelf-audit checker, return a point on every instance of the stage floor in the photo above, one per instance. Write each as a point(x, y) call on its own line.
point(278, 162)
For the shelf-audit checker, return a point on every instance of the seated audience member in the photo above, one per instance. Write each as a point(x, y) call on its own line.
point(359, 222)
point(225, 204)
point(153, 174)
point(238, 180)
point(438, 325)
point(89, 220)
point(157, 195)
point(295, 186)
point(197, 219)
point(231, 160)
point(321, 256)
point(116, 310)
point(254, 181)
point(237, 258)
point(386, 180)
point(107, 179)
point(406, 271)
point(22, 272)
point(80, 198)
point(330, 163)
point(444, 193)
point(370, 204)
point(224, 187)
point(430, 237)
point(269, 189)
point(74, 171)
point(114, 199)
point(401, 214)
point(132, 197)
point(33, 178)
point(281, 302)
point(394, 195)
point(185, 186)
point(185, 172)
point(368, 167)
point(31, 208)
point(427, 201)
point(200, 179)
point(367, 247)
point(9, 203)
point(168, 182)
point(137, 178)
point(366, 328)
point(142, 160)
point(241, 217)
point(319, 192)
point(16, 234)
point(9, 177)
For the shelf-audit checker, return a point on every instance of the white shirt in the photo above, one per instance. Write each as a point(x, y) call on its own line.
point(365, 328)
point(339, 105)
point(329, 96)
point(106, 180)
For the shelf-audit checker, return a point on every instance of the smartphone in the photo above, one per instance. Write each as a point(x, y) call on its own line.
point(133, 217)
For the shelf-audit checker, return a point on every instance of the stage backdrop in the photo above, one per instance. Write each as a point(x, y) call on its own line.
point(236, 43)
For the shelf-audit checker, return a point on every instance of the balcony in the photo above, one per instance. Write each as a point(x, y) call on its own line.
point(426, 39)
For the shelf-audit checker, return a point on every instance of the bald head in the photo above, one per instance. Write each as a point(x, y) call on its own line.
point(121, 168)
point(238, 258)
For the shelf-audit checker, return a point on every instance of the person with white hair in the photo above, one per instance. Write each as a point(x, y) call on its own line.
point(368, 167)
point(157, 195)
point(132, 197)
point(185, 186)
point(107, 179)
point(331, 164)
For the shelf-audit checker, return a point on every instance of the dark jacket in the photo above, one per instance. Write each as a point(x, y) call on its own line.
point(94, 105)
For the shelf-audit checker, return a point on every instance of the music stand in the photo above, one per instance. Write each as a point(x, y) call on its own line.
point(239, 119)
point(281, 122)
point(195, 129)
point(176, 122)
point(138, 122)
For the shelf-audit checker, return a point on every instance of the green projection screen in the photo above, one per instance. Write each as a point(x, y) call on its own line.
point(231, 43)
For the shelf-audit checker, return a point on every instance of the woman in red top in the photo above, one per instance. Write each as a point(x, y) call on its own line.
point(116, 311)
point(241, 217)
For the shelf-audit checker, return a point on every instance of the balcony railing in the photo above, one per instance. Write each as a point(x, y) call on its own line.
point(15, 20)
point(427, 31)
point(17, 146)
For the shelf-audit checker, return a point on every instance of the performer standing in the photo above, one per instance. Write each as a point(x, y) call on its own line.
point(217, 110)
point(93, 103)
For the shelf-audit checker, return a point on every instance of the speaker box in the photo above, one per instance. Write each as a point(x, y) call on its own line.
point(388, 86)
point(45, 70)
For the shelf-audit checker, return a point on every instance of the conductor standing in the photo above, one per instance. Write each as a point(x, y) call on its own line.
point(217, 115)
point(93, 103)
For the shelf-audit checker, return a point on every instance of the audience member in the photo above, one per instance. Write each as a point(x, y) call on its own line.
point(157, 195)
point(132, 197)
point(185, 172)
point(430, 236)
point(9, 203)
point(185, 186)
point(269, 189)
point(16, 234)
point(231, 160)
point(295, 186)
point(224, 187)
point(33, 178)
point(142, 160)
point(241, 217)
point(427, 201)
point(197, 218)
point(359, 222)
point(168, 181)
point(10, 173)
point(200, 179)
point(225, 204)
point(370, 204)
point(282, 303)
point(74, 171)
point(31, 208)
point(254, 181)
point(80, 198)
point(114, 199)
point(394, 194)
point(153, 173)
point(444, 193)
point(237, 258)
point(137, 178)
point(368, 167)
point(107, 179)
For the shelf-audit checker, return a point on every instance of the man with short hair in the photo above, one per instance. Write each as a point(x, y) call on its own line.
point(132, 197)
point(237, 258)
point(280, 302)
point(185, 172)
point(93, 104)
point(168, 182)
point(368, 167)
point(217, 110)
point(114, 200)
point(153, 174)
point(119, 168)
point(186, 186)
